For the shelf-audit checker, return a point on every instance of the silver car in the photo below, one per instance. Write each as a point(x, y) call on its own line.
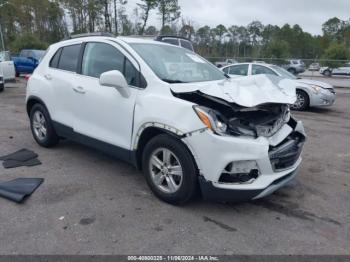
point(340, 71)
point(310, 93)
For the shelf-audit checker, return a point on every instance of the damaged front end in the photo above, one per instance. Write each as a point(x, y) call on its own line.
point(234, 120)
point(255, 145)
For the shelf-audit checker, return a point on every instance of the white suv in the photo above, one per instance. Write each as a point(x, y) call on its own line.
point(170, 113)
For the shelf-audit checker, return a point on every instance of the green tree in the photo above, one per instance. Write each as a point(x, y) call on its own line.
point(332, 28)
point(146, 7)
point(169, 11)
point(276, 50)
point(151, 30)
point(336, 52)
point(27, 41)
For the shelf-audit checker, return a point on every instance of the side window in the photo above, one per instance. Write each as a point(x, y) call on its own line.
point(241, 70)
point(172, 41)
point(55, 59)
point(259, 70)
point(69, 58)
point(99, 58)
point(186, 44)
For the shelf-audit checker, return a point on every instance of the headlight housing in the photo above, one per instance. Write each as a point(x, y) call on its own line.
point(211, 119)
point(316, 89)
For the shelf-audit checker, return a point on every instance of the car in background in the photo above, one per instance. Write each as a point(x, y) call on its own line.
point(7, 67)
point(176, 40)
point(27, 61)
point(310, 93)
point(340, 71)
point(259, 62)
point(314, 67)
point(226, 63)
point(294, 66)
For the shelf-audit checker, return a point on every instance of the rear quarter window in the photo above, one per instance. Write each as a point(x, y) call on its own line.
point(69, 58)
point(55, 59)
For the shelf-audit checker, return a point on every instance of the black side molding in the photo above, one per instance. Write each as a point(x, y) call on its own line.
point(112, 150)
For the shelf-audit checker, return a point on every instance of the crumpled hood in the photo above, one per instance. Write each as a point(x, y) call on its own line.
point(247, 91)
point(314, 82)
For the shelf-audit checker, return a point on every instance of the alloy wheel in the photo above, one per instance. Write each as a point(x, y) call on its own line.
point(166, 170)
point(39, 125)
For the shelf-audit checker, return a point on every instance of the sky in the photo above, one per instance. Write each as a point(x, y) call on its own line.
point(309, 14)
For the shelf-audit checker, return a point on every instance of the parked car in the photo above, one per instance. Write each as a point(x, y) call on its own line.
point(343, 70)
point(176, 40)
point(226, 63)
point(294, 66)
point(27, 61)
point(7, 66)
point(310, 93)
point(314, 67)
point(170, 113)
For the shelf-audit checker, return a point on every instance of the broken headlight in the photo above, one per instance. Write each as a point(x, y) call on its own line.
point(211, 119)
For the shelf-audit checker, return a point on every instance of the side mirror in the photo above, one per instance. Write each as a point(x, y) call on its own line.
point(115, 79)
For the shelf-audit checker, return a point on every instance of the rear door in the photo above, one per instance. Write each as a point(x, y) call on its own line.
point(102, 112)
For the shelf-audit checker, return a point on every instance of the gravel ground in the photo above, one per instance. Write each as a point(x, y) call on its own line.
point(92, 204)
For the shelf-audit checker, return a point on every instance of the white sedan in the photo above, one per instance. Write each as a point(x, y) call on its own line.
point(310, 93)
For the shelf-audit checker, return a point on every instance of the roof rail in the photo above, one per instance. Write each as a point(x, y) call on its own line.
point(90, 34)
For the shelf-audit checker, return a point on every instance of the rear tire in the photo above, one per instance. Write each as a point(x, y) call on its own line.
point(42, 127)
point(2, 88)
point(164, 159)
point(303, 101)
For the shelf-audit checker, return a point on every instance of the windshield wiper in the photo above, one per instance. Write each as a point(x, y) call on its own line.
point(171, 81)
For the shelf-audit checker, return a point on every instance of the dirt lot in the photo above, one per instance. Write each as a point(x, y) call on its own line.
point(93, 204)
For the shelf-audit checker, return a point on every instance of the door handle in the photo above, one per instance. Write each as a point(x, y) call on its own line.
point(48, 77)
point(79, 90)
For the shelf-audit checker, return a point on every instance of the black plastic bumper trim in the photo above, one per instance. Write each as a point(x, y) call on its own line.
point(211, 193)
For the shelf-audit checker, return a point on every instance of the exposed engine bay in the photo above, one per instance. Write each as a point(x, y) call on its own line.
point(235, 120)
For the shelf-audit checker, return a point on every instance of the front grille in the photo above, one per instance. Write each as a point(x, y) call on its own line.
point(287, 153)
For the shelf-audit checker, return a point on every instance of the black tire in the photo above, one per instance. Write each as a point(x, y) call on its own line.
point(327, 73)
point(292, 70)
point(50, 139)
point(2, 88)
point(306, 101)
point(189, 185)
point(17, 74)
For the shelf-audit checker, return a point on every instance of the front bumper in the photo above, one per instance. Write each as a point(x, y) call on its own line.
point(326, 97)
point(213, 154)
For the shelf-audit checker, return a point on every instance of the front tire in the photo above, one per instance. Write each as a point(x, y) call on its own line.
point(327, 73)
point(170, 170)
point(303, 101)
point(42, 127)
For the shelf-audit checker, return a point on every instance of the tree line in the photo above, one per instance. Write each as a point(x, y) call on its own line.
point(38, 23)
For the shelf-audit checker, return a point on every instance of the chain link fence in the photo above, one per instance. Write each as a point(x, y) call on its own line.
point(279, 62)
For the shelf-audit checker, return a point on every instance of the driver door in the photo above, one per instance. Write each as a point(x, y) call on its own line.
point(102, 112)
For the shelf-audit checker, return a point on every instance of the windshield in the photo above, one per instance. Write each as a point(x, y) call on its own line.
point(177, 65)
point(284, 73)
